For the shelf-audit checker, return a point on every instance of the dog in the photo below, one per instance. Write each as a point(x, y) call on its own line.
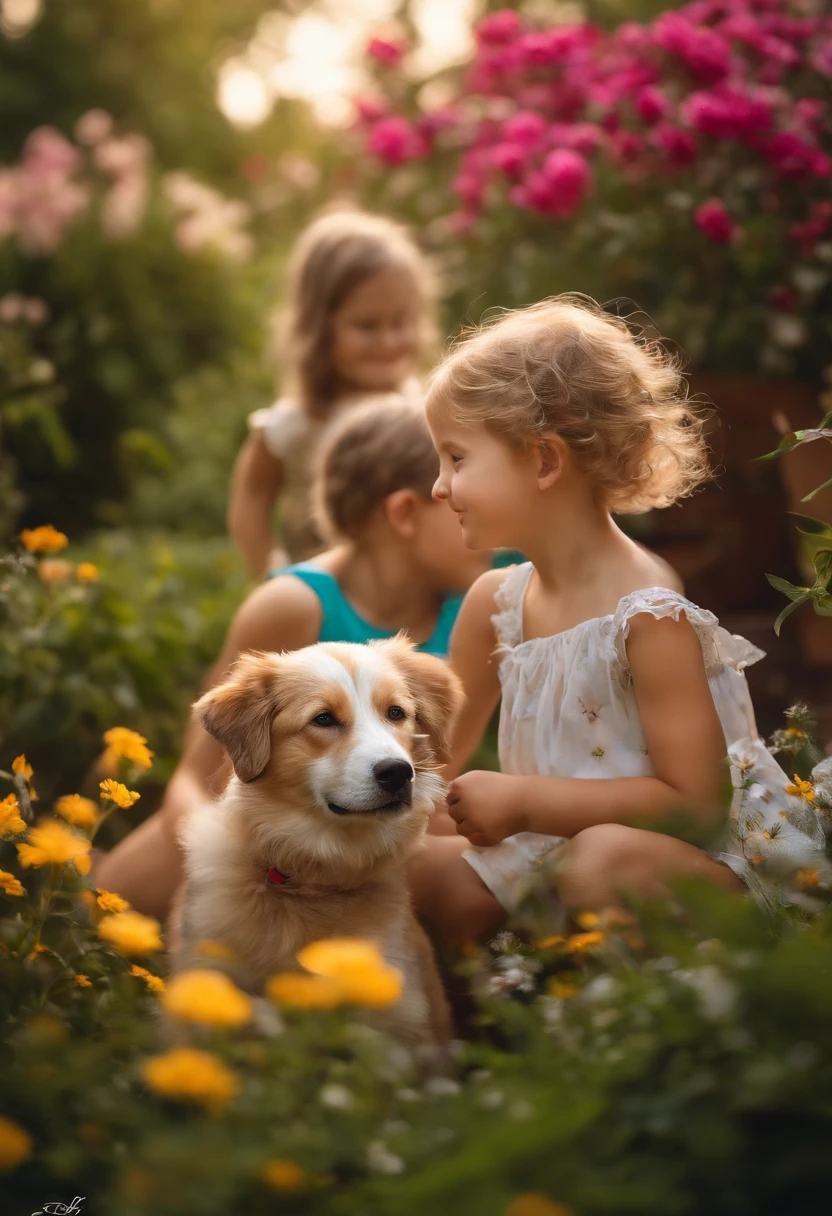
point(336, 750)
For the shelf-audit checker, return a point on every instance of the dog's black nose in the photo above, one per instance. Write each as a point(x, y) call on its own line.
point(392, 775)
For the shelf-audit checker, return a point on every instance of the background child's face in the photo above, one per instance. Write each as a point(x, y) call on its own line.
point(375, 332)
point(449, 564)
point(489, 485)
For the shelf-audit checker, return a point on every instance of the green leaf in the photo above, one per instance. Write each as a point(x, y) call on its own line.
point(822, 562)
point(799, 594)
point(811, 495)
point(810, 526)
point(787, 611)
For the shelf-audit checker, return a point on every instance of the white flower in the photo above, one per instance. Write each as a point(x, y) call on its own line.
point(380, 1159)
point(336, 1096)
point(787, 331)
point(716, 993)
point(598, 989)
point(492, 1098)
point(442, 1087)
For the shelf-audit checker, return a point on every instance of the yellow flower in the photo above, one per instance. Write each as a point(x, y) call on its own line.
point(192, 1076)
point(54, 570)
point(83, 981)
point(10, 884)
point(80, 812)
point(154, 982)
point(561, 989)
point(808, 877)
point(794, 732)
point(37, 949)
point(118, 793)
point(588, 920)
point(358, 966)
point(304, 991)
point(131, 933)
point(11, 823)
point(801, 788)
point(128, 745)
point(86, 572)
point(532, 1203)
point(15, 1145)
point(44, 539)
point(209, 997)
point(283, 1175)
point(583, 941)
point(52, 843)
point(546, 943)
point(111, 902)
point(22, 768)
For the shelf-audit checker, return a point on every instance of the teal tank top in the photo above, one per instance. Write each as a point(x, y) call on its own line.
point(341, 623)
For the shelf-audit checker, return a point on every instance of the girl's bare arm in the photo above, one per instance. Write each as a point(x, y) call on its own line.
point(256, 484)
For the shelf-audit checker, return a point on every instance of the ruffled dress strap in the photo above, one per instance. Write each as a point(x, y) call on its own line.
point(719, 647)
point(283, 425)
point(508, 602)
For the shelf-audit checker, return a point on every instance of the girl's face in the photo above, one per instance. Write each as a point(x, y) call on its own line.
point(491, 487)
point(375, 332)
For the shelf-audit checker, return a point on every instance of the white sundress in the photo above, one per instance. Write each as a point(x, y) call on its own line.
point(569, 710)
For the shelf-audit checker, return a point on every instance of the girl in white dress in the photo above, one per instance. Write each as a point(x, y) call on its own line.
point(620, 698)
point(359, 318)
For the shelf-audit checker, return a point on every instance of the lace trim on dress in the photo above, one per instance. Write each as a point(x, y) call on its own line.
point(719, 647)
point(508, 600)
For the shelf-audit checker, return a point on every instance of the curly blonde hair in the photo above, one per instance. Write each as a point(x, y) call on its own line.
point(374, 450)
point(618, 399)
point(335, 254)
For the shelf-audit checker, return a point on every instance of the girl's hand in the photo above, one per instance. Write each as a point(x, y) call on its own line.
point(484, 806)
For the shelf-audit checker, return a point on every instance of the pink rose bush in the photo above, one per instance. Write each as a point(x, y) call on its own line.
point(717, 112)
point(56, 182)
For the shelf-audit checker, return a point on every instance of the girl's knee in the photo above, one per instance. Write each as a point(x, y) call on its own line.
point(591, 860)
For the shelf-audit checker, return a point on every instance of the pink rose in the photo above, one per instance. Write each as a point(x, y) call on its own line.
point(509, 158)
point(498, 28)
point(704, 53)
point(562, 184)
point(678, 146)
point(47, 153)
point(651, 104)
point(794, 157)
point(583, 137)
point(713, 218)
point(386, 51)
point(726, 113)
point(369, 109)
point(525, 128)
point(93, 126)
point(395, 141)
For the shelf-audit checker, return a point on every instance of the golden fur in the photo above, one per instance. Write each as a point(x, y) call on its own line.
point(306, 799)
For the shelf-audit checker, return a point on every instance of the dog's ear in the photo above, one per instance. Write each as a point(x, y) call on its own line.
point(240, 712)
point(435, 689)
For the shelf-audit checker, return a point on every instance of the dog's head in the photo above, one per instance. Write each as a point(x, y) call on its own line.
point(347, 737)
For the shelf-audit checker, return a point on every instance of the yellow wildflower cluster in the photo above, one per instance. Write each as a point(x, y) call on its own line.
point(10, 884)
point(108, 901)
point(579, 942)
point(80, 812)
point(209, 997)
point(15, 1145)
point(51, 843)
point(86, 572)
point(802, 789)
point(44, 539)
point(83, 981)
point(345, 970)
point(561, 989)
point(124, 744)
point(115, 792)
point(283, 1175)
point(131, 933)
point(22, 768)
point(191, 1076)
point(11, 823)
point(155, 983)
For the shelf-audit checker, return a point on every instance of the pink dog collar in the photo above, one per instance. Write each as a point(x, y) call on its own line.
point(276, 878)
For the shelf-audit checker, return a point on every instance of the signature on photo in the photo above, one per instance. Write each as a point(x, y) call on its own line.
point(61, 1209)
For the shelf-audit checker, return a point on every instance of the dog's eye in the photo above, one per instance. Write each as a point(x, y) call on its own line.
point(325, 719)
point(396, 714)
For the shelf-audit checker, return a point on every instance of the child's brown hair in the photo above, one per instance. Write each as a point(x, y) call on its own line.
point(336, 253)
point(616, 398)
point(374, 450)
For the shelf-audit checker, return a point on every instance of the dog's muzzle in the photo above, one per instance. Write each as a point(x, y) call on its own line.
point(394, 779)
